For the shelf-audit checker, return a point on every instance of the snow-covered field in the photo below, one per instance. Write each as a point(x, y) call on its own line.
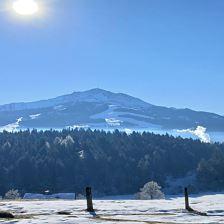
point(117, 211)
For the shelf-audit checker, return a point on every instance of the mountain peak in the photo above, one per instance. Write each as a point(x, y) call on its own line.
point(94, 91)
point(98, 90)
point(96, 95)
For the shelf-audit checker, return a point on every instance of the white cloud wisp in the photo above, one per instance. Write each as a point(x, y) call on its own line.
point(200, 132)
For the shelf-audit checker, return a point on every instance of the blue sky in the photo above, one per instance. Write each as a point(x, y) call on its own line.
point(167, 52)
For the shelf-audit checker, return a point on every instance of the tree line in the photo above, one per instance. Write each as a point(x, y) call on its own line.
point(111, 162)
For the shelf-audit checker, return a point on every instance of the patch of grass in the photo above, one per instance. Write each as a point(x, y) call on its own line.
point(64, 213)
point(23, 216)
point(125, 220)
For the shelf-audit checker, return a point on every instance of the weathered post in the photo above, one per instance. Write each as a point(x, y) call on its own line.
point(187, 206)
point(89, 199)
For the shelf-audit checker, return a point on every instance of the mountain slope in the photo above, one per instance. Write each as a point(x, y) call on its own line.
point(98, 108)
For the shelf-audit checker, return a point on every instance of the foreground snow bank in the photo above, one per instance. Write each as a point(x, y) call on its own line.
point(118, 211)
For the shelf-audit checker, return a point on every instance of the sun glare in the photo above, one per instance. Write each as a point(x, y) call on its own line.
point(25, 7)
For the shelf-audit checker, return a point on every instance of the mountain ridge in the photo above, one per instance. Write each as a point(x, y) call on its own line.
point(98, 108)
point(65, 99)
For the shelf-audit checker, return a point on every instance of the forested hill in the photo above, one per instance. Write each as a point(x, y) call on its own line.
point(112, 163)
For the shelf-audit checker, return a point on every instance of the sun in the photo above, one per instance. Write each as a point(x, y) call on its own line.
point(25, 7)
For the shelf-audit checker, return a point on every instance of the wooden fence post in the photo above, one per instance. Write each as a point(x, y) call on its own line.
point(187, 206)
point(89, 199)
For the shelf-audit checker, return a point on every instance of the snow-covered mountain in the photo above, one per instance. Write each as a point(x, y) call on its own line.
point(98, 108)
point(90, 96)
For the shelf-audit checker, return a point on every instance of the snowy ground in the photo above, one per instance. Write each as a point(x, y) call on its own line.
point(117, 211)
